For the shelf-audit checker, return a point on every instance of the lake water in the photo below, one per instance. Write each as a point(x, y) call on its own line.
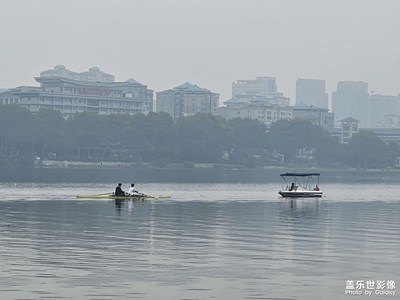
point(208, 241)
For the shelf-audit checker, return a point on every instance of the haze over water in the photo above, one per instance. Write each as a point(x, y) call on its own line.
point(209, 241)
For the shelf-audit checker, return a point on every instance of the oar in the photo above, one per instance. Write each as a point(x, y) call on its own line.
point(153, 197)
point(93, 196)
point(145, 195)
point(159, 197)
point(141, 195)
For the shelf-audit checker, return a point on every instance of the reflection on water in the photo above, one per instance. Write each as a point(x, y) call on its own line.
point(119, 203)
point(206, 242)
point(298, 208)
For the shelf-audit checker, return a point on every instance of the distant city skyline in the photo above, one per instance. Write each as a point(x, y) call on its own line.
point(208, 43)
point(55, 71)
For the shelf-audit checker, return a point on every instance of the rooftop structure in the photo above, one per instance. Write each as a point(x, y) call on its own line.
point(93, 75)
point(261, 86)
point(348, 129)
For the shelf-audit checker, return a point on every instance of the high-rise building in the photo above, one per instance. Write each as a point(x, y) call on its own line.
point(261, 86)
point(186, 100)
point(311, 92)
point(351, 100)
point(379, 106)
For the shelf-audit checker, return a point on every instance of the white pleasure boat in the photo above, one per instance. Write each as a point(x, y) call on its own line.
point(302, 185)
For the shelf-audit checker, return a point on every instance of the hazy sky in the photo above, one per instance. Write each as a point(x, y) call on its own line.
point(211, 43)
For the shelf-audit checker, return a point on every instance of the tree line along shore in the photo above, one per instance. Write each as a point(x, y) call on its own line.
point(196, 141)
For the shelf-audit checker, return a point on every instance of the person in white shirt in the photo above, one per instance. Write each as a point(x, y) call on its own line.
point(133, 192)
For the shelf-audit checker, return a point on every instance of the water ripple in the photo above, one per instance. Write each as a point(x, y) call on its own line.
point(259, 247)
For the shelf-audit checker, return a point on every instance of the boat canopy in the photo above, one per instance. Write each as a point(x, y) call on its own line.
point(300, 174)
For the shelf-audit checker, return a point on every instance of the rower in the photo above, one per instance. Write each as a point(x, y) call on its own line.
point(119, 191)
point(133, 192)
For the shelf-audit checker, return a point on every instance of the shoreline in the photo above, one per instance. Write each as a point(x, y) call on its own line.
point(96, 172)
point(183, 166)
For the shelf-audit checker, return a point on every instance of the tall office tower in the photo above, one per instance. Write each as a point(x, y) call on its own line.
point(380, 107)
point(351, 100)
point(311, 92)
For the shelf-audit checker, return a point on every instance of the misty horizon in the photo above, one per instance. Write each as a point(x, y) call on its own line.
point(209, 44)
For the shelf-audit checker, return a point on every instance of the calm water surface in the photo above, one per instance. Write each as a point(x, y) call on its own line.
point(218, 241)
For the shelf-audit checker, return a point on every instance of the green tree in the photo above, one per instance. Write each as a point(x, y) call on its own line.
point(366, 150)
point(203, 138)
point(16, 131)
point(50, 134)
point(162, 136)
point(392, 154)
point(250, 140)
point(295, 137)
point(85, 134)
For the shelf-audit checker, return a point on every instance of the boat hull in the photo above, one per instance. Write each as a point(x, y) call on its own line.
point(119, 197)
point(301, 194)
